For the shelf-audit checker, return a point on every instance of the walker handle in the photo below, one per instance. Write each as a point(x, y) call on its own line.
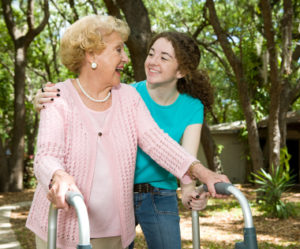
point(220, 187)
point(75, 200)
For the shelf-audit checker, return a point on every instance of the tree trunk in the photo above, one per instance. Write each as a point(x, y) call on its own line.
point(18, 141)
point(210, 150)
point(275, 91)
point(21, 44)
point(284, 105)
point(33, 135)
point(4, 184)
point(138, 20)
point(253, 136)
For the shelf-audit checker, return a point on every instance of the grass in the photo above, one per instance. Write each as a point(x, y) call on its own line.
point(221, 226)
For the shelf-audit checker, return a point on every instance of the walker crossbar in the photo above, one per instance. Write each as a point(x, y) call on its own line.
point(75, 200)
point(250, 240)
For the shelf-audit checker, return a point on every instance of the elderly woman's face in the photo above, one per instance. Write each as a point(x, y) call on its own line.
point(112, 59)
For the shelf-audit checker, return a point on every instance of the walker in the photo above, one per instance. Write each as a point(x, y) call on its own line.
point(75, 200)
point(250, 240)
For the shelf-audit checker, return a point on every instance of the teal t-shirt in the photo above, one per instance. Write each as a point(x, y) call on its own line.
point(173, 119)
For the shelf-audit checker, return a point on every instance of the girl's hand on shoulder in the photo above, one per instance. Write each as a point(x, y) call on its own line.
point(46, 95)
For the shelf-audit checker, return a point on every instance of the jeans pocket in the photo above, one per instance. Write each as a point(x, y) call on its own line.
point(165, 202)
point(137, 199)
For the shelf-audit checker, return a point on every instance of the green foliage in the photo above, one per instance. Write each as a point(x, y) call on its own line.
point(273, 185)
point(241, 20)
point(6, 85)
point(220, 148)
point(30, 181)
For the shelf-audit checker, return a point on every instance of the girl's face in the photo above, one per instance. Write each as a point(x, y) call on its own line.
point(161, 65)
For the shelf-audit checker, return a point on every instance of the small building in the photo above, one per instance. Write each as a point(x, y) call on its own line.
point(234, 148)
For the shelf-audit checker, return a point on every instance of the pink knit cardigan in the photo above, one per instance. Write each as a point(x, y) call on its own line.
point(67, 140)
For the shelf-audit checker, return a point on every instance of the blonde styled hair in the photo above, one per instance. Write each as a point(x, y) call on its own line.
point(86, 35)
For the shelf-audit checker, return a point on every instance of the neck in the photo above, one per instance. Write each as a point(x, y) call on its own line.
point(163, 94)
point(93, 87)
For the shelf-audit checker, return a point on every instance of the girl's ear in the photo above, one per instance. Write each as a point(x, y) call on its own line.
point(179, 74)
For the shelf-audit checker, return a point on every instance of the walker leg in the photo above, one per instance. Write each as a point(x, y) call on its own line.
point(196, 230)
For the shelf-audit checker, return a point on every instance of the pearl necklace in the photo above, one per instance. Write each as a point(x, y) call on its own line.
point(89, 97)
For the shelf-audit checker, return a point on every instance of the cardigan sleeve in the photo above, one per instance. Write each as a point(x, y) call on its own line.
point(50, 143)
point(160, 146)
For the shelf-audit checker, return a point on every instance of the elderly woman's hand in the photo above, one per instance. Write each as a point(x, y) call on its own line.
point(195, 200)
point(61, 183)
point(208, 177)
point(45, 95)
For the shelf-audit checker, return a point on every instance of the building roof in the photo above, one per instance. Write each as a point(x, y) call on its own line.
point(293, 118)
point(233, 127)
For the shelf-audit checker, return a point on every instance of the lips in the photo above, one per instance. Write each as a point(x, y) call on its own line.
point(151, 70)
point(119, 69)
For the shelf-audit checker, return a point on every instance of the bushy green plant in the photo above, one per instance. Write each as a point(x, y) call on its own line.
point(272, 185)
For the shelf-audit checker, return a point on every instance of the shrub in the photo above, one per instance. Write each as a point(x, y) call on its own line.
point(273, 185)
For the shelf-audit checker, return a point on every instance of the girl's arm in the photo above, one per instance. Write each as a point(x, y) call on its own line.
point(191, 198)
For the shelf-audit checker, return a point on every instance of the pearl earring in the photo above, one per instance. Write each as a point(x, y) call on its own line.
point(94, 65)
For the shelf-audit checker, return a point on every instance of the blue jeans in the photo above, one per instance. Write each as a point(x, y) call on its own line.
point(157, 214)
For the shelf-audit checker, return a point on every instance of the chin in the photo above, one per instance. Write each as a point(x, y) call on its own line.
point(116, 83)
point(152, 82)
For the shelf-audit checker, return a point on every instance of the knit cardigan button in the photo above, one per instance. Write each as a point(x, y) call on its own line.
point(99, 134)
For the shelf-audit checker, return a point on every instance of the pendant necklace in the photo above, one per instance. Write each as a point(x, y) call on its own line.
point(89, 97)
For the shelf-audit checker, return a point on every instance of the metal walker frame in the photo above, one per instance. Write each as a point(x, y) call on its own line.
point(250, 240)
point(75, 200)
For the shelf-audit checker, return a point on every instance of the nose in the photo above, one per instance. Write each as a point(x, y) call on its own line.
point(125, 58)
point(153, 60)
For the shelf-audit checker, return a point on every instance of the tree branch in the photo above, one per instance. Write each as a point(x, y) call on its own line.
point(237, 67)
point(287, 27)
point(44, 21)
point(269, 35)
point(8, 17)
point(199, 29)
point(222, 37)
point(74, 11)
point(8, 68)
point(42, 74)
point(296, 53)
point(223, 62)
point(295, 92)
point(30, 15)
point(112, 8)
point(94, 7)
point(60, 12)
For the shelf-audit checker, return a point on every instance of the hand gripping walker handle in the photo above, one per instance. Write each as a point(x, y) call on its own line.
point(250, 240)
point(75, 200)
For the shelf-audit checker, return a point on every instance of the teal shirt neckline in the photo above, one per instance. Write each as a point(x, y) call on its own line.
point(173, 119)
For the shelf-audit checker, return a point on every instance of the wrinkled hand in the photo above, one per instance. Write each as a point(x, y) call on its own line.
point(195, 200)
point(61, 183)
point(212, 179)
point(41, 98)
point(209, 178)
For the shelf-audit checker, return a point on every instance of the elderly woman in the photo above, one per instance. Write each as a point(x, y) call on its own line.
point(88, 140)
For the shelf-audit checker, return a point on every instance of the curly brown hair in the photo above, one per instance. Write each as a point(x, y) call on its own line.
point(195, 82)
